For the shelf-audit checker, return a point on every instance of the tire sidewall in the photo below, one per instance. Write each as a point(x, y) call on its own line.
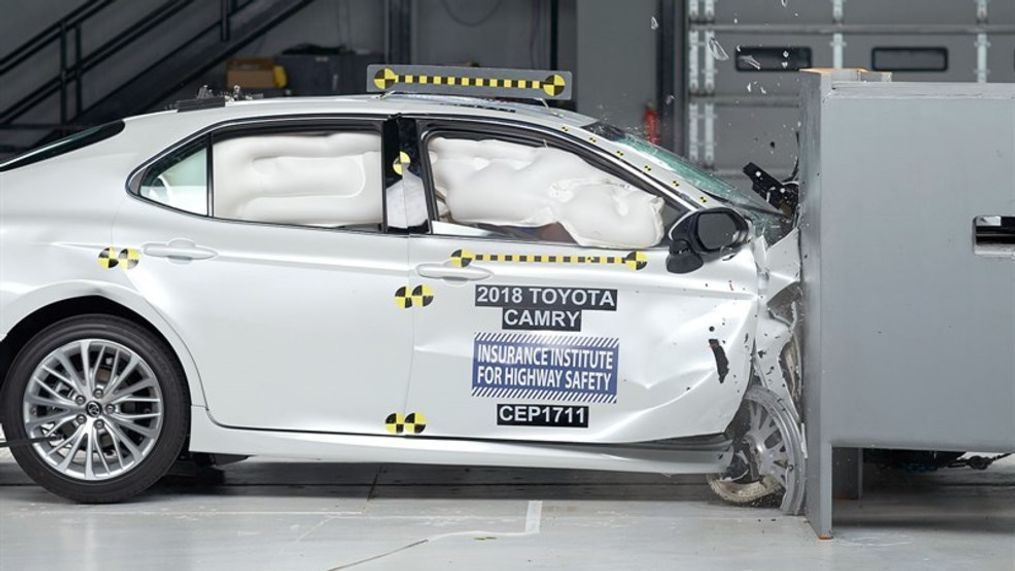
point(168, 375)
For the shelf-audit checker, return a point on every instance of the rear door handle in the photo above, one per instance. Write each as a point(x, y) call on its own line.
point(452, 273)
point(178, 249)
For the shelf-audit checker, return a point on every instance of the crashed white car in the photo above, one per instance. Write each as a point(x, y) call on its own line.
point(393, 278)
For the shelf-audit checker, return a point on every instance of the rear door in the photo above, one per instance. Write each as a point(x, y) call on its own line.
point(266, 246)
point(549, 312)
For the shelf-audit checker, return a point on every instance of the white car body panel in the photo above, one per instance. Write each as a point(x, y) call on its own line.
point(293, 331)
point(667, 381)
point(290, 322)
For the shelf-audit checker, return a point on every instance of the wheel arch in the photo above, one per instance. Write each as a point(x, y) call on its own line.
point(31, 323)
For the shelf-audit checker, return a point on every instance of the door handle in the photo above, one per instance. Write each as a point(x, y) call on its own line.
point(179, 249)
point(452, 273)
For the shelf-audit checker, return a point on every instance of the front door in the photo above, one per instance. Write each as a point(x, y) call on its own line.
point(285, 292)
point(551, 315)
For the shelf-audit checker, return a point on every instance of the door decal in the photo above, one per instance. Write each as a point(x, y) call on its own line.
point(126, 259)
point(540, 308)
point(545, 367)
point(412, 423)
point(633, 260)
point(544, 415)
point(419, 296)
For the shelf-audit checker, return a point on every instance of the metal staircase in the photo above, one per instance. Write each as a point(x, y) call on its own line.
point(238, 22)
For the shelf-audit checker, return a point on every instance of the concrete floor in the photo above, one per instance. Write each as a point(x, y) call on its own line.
point(318, 516)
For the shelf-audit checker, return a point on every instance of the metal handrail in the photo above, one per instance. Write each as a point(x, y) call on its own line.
point(50, 34)
point(69, 29)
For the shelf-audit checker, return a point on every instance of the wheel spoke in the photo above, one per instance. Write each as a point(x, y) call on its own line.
point(127, 443)
point(57, 426)
point(69, 369)
point(62, 403)
point(146, 383)
point(56, 447)
point(141, 416)
point(767, 431)
point(70, 383)
point(116, 447)
point(86, 367)
point(32, 425)
point(38, 383)
point(112, 370)
point(94, 373)
point(127, 370)
point(101, 453)
point(89, 452)
point(130, 398)
point(132, 426)
point(72, 452)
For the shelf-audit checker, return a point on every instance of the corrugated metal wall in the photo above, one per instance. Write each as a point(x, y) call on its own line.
point(742, 100)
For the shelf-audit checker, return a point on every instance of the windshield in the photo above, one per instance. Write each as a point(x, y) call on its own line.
point(690, 173)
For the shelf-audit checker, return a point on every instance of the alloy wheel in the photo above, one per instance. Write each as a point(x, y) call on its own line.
point(100, 406)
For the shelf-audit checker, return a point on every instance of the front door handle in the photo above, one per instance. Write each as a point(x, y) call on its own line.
point(178, 249)
point(452, 273)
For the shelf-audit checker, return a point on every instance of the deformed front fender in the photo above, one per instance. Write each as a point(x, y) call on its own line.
point(779, 269)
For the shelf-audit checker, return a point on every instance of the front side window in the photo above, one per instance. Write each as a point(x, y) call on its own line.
point(527, 189)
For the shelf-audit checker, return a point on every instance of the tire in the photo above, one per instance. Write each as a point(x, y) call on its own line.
point(772, 467)
point(119, 443)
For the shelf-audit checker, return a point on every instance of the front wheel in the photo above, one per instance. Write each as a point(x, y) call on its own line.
point(768, 458)
point(109, 401)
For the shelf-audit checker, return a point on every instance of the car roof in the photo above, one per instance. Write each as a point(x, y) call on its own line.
point(386, 104)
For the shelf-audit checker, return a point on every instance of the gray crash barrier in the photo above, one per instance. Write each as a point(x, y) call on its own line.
point(908, 242)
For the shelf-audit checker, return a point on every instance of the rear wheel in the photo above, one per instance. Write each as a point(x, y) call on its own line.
point(109, 401)
point(768, 457)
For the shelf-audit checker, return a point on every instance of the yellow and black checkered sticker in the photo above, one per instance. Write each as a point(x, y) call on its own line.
point(412, 423)
point(419, 296)
point(633, 260)
point(125, 258)
point(129, 257)
point(401, 163)
point(469, 81)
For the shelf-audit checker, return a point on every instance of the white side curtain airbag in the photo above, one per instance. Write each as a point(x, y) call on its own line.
point(510, 184)
point(324, 180)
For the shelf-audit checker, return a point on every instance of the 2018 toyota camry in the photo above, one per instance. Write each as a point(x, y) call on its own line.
point(391, 278)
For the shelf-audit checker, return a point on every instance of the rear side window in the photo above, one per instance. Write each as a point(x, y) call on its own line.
point(330, 179)
point(67, 144)
point(180, 180)
point(326, 178)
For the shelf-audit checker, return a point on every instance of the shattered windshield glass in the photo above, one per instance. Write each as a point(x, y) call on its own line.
point(691, 174)
point(768, 220)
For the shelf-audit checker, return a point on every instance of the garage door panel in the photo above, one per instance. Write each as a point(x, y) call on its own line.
point(731, 80)
point(763, 135)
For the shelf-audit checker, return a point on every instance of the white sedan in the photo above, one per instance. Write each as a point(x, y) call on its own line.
point(397, 278)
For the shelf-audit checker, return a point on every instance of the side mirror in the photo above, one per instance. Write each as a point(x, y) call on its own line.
point(704, 235)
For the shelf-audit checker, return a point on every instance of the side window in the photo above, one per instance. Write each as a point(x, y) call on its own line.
point(508, 188)
point(330, 179)
point(179, 180)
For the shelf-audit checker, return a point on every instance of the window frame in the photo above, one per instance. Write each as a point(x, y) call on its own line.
point(430, 126)
point(377, 123)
